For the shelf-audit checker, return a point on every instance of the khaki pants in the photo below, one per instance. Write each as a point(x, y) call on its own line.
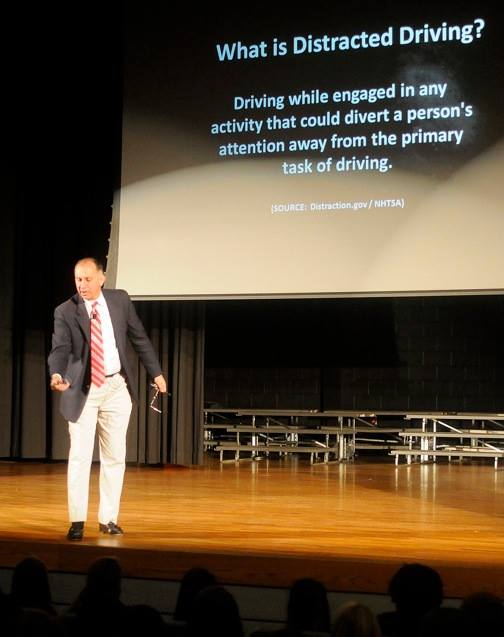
point(109, 408)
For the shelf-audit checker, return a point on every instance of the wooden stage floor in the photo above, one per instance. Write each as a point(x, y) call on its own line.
point(268, 523)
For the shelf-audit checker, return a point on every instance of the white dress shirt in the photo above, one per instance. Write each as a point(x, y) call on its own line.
point(112, 362)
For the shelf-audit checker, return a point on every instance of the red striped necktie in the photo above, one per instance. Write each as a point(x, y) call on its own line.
point(97, 363)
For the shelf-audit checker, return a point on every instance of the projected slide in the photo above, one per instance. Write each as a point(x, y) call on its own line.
point(330, 151)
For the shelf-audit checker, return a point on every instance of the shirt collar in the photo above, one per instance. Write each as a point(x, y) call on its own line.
point(89, 304)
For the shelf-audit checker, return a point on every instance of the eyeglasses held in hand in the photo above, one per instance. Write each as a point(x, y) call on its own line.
point(154, 398)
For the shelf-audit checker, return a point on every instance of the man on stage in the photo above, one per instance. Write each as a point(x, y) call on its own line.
point(88, 364)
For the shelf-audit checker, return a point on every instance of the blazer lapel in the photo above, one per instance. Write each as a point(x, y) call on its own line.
point(83, 318)
point(115, 312)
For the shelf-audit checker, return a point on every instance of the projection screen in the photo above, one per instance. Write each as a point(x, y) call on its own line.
point(327, 151)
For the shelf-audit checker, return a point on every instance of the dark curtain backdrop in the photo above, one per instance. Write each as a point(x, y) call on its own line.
point(177, 330)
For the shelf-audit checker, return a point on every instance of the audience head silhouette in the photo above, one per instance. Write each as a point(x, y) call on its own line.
point(416, 589)
point(98, 606)
point(194, 581)
point(104, 579)
point(30, 585)
point(308, 607)
point(215, 614)
point(355, 620)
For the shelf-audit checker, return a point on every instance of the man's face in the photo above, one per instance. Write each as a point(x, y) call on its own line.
point(88, 280)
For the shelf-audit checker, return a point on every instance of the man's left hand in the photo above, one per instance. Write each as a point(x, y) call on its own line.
point(160, 383)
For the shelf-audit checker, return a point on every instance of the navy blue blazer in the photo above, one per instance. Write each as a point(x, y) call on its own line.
point(70, 353)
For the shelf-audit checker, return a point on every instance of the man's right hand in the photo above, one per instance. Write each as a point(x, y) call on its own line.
point(58, 384)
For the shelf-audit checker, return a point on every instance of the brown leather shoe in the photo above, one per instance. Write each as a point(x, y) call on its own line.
point(111, 529)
